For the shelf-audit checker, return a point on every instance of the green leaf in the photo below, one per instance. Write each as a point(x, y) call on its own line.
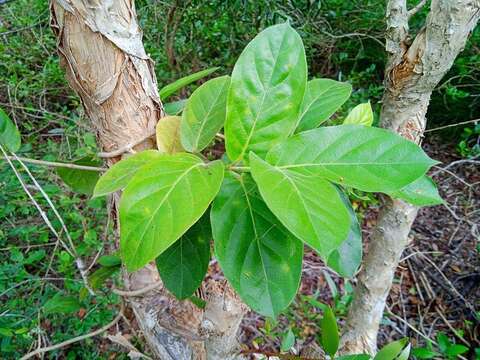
point(421, 192)
point(184, 264)
point(361, 114)
point(309, 206)
point(9, 134)
point(288, 341)
point(330, 338)
point(81, 181)
point(6, 332)
point(424, 353)
point(346, 259)
point(168, 135)
point(456, 349)
point(322, 98)
point(109, 260)
point(119, 175)
point(161, 202)
point(405, 353)
point(266, 92)
point(204, 114)
point(175, 107)
point(392, 350)
point(366, 158)
point(102, 274)
point(259, 257)
point(198, 302)
point(169, 89)
point(354, 357)
point(61, 304)
point(443, 342)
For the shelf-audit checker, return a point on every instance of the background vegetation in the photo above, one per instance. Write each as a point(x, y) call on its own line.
point(344, 41)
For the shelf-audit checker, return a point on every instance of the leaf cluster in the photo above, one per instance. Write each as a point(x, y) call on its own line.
point(280, 185)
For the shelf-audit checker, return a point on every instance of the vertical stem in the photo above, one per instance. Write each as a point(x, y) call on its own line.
point(412, 73)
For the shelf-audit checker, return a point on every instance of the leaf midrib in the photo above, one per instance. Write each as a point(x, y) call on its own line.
point(290, 180)
point(266, 91)
point(167, 194)
point(346, 164)
point(257, 239)
point(202, 125)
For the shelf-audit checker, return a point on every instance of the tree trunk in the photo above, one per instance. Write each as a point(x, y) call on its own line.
point(412, 72)
point(101, 50)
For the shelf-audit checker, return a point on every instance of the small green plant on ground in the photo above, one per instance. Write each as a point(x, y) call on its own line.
point(445, 349)
point(469, 145)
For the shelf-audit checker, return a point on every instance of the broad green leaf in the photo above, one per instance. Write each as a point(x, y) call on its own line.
point(102, 274)
point(346, 259)
point(9, 135)
point(424, 353)
point(204, 114)
point(169, 89)
point(61, 304)
point(322, 98)
point(259, 257)
point(162, 201)
point(354, 357)
point(361, 114)
point(330, 338)
point(366, 158)
point(175, 107)
point(6, 332)
point(421, 192)
point(288, 341)
point(443, 341)
point(405, 353)
point(110, 260)
point(392, 350)
point(309, 206)
point(118, 176)
point(456, 349)
point(184, 264)
point(266, 92)
point(81, 181)
point(168, 135)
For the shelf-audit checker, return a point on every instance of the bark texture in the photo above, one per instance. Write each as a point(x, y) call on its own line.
point(100, 47)
point(414, 69)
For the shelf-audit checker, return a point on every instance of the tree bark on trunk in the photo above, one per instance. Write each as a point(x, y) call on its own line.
point(412, 72)
point(100, 47)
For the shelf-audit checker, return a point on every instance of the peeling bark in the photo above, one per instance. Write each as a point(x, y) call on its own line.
point(100, 47)
point(412, 73)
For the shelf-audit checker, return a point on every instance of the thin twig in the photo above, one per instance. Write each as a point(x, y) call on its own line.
point(139, 291)
point(452, 287)
point(75, 339)
point(54, 164)
point(35, 203)
point(125, 148)
point(417, 8)
point(453, 125)
point(352, 35)
point(455, 332)
point(10, 32)
point(78, 261)
point(389, 312)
